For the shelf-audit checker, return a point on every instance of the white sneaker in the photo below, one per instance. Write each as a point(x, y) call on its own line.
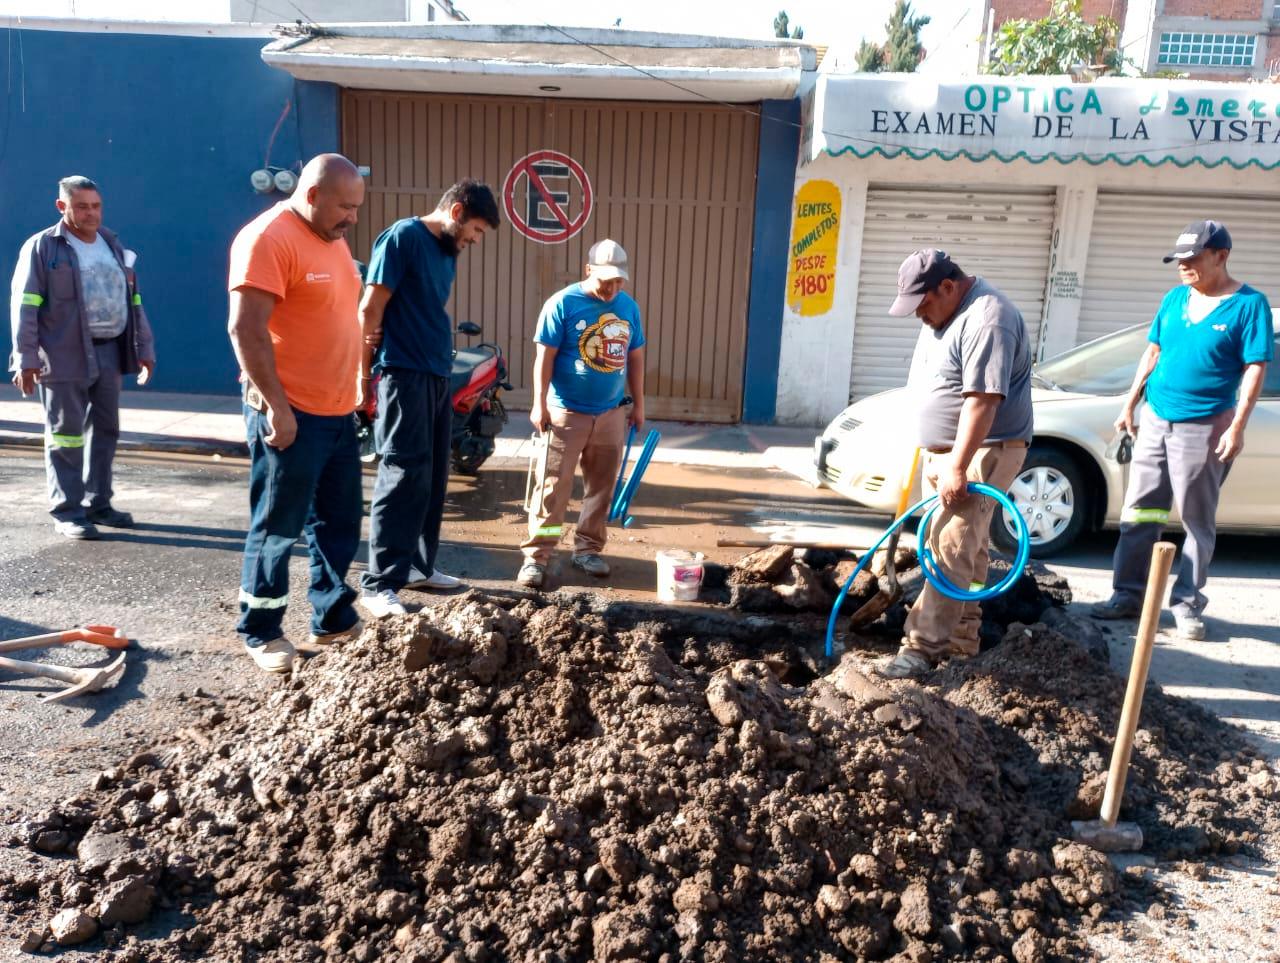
point(274, 656)
point(1190, 626)
point(330, 638)
point(436, 580)
point(382, 604)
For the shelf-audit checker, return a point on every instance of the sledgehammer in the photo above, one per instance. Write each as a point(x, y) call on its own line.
point(1104, 833)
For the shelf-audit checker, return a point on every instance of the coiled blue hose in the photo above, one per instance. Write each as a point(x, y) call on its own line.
point(932, 573)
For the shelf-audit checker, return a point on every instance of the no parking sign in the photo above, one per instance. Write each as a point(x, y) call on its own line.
point(547, 196)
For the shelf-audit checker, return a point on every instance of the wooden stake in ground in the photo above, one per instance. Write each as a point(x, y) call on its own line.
point(1105, 833)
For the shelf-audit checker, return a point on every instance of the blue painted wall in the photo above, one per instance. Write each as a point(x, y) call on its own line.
point(170, 128)
point(775, 185)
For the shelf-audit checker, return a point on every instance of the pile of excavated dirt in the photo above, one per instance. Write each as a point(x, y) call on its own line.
point(518, 780)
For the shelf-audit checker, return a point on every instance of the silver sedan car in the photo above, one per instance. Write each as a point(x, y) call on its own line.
point(1071, 481)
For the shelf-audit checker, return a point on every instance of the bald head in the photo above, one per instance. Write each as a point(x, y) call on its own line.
point(329, 194)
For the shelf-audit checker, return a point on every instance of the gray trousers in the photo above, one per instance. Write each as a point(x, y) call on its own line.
point(1173, 464)
point(80, 417)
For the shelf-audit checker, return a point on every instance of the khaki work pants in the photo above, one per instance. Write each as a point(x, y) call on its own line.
point(936, 625)
point(595, 442)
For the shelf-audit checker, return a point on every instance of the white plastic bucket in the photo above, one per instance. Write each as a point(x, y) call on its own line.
point(679, 575)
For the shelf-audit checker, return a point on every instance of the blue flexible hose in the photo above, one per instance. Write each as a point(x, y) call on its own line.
point(932, 573)
point(624, 491)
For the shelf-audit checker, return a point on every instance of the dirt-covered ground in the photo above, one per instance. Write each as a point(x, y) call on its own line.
point(507, 778)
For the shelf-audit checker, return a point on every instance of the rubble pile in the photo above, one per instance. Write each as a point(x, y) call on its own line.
point(784, 579)
point(502, 779)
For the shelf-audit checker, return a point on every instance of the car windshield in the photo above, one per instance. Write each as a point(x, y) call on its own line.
point(1102, 367)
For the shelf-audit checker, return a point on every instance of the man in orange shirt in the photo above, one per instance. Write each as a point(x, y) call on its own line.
point(295, 292)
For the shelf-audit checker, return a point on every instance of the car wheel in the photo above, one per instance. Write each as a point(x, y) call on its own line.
point(1050, 493)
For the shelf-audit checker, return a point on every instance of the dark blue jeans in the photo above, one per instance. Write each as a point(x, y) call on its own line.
point(312, 487)
point(414, 435)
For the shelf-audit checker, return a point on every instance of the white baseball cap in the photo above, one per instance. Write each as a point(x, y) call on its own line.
point(608, 260)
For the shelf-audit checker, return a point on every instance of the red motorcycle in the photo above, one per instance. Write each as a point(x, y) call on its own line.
point(478, 379)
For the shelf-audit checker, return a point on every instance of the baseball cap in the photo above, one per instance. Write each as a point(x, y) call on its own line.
point(920, 273)
point(608, 260)
point(1198, 236)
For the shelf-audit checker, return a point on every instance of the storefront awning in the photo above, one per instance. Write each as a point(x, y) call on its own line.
point(546, 61)
point(1038, 119)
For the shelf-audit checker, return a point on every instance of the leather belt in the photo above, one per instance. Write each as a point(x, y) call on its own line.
point(106, 340)
point(1011, 443)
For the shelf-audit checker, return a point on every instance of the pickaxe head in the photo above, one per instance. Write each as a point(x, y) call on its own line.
point(92, 680)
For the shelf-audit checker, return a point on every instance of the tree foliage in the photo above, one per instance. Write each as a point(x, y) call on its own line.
point(1061, 43)
point(902, 50)
point(782, 23)
point(870, 57)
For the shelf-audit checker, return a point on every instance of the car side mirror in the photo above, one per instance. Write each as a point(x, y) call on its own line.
point(469, 328)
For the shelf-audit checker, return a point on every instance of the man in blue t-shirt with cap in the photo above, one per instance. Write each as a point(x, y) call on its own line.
point(408, 339)
point(1210, 342)
point(590, 355)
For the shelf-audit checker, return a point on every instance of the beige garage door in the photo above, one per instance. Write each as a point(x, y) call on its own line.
point(1002, 235)
point(675, 185)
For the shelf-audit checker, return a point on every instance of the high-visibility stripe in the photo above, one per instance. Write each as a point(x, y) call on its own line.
point(33, 300)
point(65, 441)
point(550, 531)
point(977, 586)
point(137, 299)
point(1143, 515)
point(258, 602)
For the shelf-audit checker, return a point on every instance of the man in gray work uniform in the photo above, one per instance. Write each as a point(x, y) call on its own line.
point(971, 374)
point(78, 328)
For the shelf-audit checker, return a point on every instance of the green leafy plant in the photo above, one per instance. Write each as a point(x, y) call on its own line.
point(1061, 43)
point(781, 24)
point(902, 51)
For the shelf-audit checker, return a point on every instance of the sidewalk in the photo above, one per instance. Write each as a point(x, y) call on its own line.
point(212, 424)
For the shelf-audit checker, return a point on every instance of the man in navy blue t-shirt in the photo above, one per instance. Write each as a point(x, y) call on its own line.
point(408, 341)
point(1210, 341)
point(589, 355)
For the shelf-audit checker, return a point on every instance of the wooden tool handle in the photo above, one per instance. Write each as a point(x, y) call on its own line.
point(1161, 562)
point(59, 672)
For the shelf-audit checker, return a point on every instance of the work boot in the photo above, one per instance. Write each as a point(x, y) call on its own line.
point(274, 656)
point(531, 575)
point(331, 638)
point(1190, 625)
point(905, 665)
point(592, 564)
point(110, 517)
point(436, 581)
point(1117, 607)
point(384, 603)
point(80, 531)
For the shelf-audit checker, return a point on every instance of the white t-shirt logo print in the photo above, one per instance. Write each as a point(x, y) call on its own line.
point(102, 280)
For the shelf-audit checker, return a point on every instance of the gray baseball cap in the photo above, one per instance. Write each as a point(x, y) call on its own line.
point(919, 274)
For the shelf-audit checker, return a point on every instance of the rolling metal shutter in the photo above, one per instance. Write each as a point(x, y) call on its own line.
point(674, 184)
point(1124, 277)
point(1001, 235)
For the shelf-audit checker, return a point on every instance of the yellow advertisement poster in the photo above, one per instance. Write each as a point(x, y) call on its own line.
point(811, 276)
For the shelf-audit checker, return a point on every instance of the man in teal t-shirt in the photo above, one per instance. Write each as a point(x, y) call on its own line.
point(1210, 341)
point(590, 355)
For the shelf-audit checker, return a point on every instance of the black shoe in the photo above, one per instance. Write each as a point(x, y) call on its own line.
point(1116, 607)
point(110, 517)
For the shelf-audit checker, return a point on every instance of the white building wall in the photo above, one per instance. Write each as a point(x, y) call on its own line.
point(816, 357)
